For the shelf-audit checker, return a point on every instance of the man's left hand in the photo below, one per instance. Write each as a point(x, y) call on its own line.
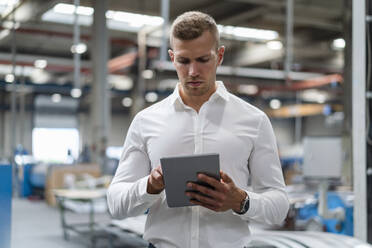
point(225, 195)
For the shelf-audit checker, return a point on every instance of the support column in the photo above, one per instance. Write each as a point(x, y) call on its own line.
point(101, 104)
point(359, 118)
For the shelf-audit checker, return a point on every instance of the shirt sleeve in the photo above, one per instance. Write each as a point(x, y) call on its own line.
point(268, 202)
point(127, 194)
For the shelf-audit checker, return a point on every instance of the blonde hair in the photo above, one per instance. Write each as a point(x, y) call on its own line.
point(191, 25)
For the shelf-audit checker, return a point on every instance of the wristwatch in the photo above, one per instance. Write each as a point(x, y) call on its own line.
point(244, 205)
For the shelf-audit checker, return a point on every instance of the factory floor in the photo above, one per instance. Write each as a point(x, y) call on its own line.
point(36, 224)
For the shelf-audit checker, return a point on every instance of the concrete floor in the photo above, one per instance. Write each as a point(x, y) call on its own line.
point(35, 225)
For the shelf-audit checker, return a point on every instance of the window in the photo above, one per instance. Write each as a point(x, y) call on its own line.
point(56, 145)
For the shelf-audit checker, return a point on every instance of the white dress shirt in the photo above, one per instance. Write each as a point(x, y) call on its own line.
point(243, 137)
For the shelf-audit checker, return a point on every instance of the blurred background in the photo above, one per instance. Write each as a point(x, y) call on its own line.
point(74, 73)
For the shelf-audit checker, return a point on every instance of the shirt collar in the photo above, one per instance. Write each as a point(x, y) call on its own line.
point(220, 92)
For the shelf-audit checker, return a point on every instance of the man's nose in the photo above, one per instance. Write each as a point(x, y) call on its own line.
point(193, 69)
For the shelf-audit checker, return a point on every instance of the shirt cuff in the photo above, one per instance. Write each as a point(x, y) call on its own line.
point(253, 200)
point(142, 188)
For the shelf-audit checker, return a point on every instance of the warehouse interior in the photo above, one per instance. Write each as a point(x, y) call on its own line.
point(73, 74)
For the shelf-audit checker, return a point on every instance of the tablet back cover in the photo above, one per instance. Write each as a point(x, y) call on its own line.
point(177, 171)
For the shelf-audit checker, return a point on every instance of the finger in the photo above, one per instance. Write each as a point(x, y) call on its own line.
point(157, 178)
point(225, 177)
point(158, 168)
point(204, 199)
point(212, 181)
point(206, 191)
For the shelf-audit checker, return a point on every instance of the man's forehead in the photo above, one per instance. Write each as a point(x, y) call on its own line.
point(185, 53)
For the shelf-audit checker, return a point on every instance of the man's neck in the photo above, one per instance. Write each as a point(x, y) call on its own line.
point(195, 102)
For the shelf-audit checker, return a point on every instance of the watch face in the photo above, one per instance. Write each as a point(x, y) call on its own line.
point(245, 207)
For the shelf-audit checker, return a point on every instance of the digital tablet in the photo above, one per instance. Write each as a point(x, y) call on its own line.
point(178, 171)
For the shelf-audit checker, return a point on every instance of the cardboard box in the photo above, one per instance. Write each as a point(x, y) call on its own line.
point(56, 176)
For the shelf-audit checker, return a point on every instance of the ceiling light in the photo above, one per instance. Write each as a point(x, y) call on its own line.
point(88, 11)
point(147, 74)
point(10, 25)
point(9, 78)
point(338, 44)
point(56, 98)
point(133, 19)
point(244, 33)
point(248, 89)
point(120, 82)
point(313, 95)
point(39, 76)
point(40, 63)
point(127, 102)
point(69, 9)
point(79, 48)
point(275, 104)
point(63, 8)
point(151, 97)
point(274, 45)
point(75, 92)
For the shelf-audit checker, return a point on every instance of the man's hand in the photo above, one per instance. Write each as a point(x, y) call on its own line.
point(155, 183)
point(223, 197)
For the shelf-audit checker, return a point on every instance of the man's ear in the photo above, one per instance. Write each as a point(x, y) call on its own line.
point(171, 55)
point(221, 52)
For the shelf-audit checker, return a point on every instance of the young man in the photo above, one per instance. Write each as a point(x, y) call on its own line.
point(200, 117)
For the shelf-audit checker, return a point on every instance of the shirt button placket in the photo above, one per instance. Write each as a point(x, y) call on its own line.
point(195, 210)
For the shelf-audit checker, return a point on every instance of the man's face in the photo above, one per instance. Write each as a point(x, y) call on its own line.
point(196, 63)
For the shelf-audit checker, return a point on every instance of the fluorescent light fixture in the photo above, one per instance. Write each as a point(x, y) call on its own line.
point(40, 63)
point(243, 33)
point(9, 78)
point(88, 11)
point(64, 8)
point(275, 104)
point(75, 92)
point(151, 97)
point(127, 102)
point(119, 20)
point(69, 9)
point(79, 48)
point(56, 98)
point(338, 44)
point(274, 45)
point(135, 20)
point(313, 95)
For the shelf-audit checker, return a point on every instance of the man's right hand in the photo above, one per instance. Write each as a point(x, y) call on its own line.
point(155, 183)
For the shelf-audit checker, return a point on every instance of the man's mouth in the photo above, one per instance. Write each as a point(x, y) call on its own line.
point(194, 83)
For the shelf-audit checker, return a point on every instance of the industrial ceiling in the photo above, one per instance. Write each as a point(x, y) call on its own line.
point(318, 29)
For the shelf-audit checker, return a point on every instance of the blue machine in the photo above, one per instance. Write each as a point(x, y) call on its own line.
point(5, 204)
point(334, 200)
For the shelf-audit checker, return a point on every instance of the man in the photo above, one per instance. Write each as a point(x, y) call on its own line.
point(200, 117)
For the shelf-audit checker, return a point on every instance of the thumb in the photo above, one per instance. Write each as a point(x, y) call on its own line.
point(225, 177)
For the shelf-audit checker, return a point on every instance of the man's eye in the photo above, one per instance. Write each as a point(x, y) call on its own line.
point(183, 61)
point(203, 60)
